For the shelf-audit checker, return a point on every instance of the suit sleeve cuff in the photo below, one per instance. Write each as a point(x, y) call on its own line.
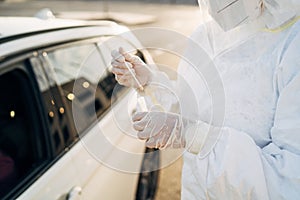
point(195, 137)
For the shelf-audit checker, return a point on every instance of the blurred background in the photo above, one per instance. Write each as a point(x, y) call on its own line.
point(180, 16)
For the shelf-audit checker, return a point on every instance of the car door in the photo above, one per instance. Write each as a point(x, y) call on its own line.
point(33, 166)
point(94, 98)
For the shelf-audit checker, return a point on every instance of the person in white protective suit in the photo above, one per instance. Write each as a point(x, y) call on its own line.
point(251, 148)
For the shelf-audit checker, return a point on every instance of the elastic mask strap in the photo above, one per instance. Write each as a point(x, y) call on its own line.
point(283, 27)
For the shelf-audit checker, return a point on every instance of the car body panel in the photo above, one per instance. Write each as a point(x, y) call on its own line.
point(31, 25)
point(106, 137)
point(49, 32)
point(55, 183)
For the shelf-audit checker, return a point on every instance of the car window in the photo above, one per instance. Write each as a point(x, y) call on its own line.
point(22, 139)
point(80, 61)
point(80, 71)
point(58, 117)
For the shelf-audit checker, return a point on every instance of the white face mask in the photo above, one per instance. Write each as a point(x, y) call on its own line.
point(231, 13)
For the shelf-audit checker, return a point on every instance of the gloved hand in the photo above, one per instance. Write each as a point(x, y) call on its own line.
point(123, 75)
point(159, 129)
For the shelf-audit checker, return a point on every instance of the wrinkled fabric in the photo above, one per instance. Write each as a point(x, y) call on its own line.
point(257, 155)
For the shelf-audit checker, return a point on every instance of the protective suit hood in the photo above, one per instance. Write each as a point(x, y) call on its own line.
point(236, 20)
point(232, 13)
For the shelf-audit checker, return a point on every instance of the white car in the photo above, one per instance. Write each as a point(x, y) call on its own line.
point(65, 128)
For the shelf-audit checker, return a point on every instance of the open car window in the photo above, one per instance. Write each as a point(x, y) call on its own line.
point(22, 139)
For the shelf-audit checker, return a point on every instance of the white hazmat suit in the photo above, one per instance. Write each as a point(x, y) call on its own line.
point(256, 151)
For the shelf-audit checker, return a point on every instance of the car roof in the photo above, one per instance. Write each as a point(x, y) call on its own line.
point(22, 34)
point(13, 26)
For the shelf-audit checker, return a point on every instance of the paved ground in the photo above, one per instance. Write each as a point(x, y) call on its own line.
point(169, 186)
point(181, 19)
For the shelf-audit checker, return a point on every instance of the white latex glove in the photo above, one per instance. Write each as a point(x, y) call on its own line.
point(159, 129)
point(123, 75)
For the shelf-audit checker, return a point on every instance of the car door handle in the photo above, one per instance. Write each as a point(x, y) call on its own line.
point(74, 193)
